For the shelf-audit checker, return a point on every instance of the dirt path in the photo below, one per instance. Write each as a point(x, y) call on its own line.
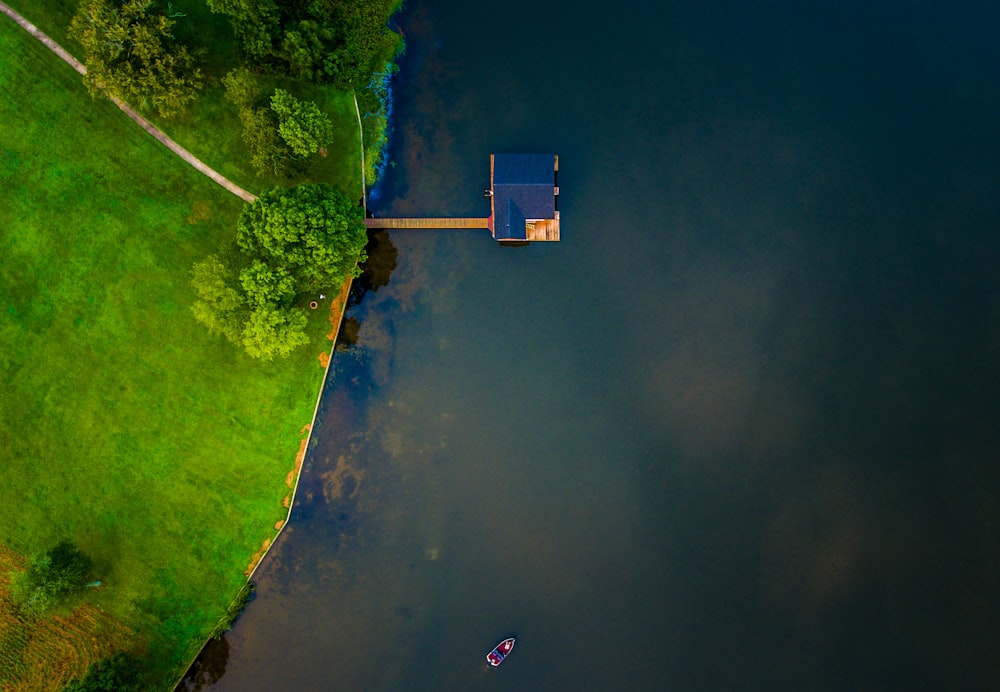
point(127, 109)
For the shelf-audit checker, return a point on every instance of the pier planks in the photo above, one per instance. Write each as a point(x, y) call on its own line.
point(416, 223)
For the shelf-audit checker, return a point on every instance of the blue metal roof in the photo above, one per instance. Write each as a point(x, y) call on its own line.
point(523, 188)
point(508, 224)
point(524, 169)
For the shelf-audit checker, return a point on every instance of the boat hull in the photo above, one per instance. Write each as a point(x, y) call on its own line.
point(500, 652)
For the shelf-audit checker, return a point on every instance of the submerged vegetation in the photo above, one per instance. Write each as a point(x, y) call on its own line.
point(158, 448)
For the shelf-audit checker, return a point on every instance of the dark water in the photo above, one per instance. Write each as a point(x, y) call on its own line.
point(738, 430)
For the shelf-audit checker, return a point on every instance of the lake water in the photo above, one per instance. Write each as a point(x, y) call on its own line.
point(738, 430)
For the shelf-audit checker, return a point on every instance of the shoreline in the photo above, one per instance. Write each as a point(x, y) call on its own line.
point(337, 310)
point(338, 306)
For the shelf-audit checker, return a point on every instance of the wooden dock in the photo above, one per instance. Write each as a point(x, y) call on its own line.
point(543, 229)
point(524, 202)
point(417, 223)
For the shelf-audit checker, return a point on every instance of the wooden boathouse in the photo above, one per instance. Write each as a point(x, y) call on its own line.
point(524, 202)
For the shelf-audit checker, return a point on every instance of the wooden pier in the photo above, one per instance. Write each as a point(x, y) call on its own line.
point(524, 202)
point(416, 223)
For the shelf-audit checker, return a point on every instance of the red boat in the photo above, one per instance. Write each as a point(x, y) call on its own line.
point(500, 651)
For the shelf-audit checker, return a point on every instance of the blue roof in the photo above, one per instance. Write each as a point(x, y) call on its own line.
point(523, 188)
point(524, 169)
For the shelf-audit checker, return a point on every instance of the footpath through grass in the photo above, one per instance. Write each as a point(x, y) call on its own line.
point(160, 450)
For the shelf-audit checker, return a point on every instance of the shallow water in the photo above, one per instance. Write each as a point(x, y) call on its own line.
point(737, 430)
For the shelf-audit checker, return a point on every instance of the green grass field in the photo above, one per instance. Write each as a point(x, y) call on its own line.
point(160, 450)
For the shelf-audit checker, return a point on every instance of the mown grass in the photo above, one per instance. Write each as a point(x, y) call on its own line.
point(161, 451)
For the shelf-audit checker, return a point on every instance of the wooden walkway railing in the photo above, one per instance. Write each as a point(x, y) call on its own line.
point(428, 223)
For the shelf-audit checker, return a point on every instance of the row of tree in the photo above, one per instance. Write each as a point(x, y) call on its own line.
point(338, 42)
point(131, 53)
point(291, 244)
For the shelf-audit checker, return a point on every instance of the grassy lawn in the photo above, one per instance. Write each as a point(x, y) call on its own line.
point(160, 450)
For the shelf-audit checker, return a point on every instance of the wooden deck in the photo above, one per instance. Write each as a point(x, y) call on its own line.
point(543, 229)
point(416, 223)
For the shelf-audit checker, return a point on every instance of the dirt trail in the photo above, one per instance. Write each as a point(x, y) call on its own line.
point(127, 109)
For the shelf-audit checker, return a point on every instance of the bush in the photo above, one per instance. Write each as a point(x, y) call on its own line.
point(119, 673)
point(51, 578)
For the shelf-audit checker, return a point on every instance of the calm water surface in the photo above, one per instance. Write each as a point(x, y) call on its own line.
point(738, 430)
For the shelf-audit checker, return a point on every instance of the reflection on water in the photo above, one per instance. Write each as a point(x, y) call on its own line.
point(376, 271)
point(210, 667)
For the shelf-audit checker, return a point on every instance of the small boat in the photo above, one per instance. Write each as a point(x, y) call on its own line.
point(500, 651)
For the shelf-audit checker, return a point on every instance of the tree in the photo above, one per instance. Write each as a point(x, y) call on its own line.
point(303, 126)
point(51, 578)
point(256, 23)
point(118, 673)
point(131, 55)
point(367, 45)
point(300, 46)
point(242, 90)
point(272, 331)
point(221, 306)
point(313, 231)
point(291, 243)
point(268, 152)
point(266, 285)
point(339, 42)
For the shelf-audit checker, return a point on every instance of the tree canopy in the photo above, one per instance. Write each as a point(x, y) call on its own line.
point(268, 152)
point(340, 42)
point(130, 54)
point(303, 126)
point(118, 673)
point(291, 243)
point(312, 231)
